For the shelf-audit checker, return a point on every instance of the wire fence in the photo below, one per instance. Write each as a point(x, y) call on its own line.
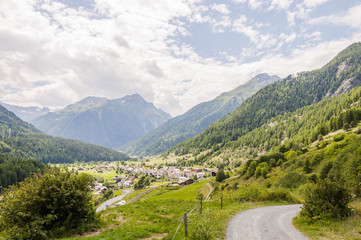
point(221, 199)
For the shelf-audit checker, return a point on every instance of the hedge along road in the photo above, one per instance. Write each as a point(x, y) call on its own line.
point(109, 202)
point(271, 223)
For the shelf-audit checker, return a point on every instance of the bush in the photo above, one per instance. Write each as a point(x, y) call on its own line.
point(326, 200)
point(220, 176)
point(48, 205)
point(292, 180)
point(276, 195)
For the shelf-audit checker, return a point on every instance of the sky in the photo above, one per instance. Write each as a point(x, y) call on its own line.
point(175, 53)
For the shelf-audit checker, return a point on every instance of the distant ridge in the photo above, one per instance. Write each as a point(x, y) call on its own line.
point(19, 139)
point(196, 119)
point(26, 113)
point(105, 122)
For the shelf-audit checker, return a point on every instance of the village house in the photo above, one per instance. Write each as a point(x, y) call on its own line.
point(185, 181)
point(200, 175)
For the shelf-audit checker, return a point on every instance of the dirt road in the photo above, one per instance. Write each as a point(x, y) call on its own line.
point(266, 223)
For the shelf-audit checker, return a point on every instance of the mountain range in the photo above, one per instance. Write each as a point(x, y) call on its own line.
point(19, 139)
point(105, 122)
point(195, 120)
point(339, 76)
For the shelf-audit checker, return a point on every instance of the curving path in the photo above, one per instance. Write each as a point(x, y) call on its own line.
point(109, 202)
point(271, 223)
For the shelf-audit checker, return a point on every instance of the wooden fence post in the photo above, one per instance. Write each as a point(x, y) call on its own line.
point(185, 225)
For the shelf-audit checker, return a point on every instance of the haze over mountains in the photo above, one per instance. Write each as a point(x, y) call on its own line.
point(26, 113)
point(196, 119)
point(105, 122)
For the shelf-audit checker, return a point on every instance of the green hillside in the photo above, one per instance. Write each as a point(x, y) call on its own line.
point(340, 75)
point(196, 119)
point(16, 170)
point(19, 139)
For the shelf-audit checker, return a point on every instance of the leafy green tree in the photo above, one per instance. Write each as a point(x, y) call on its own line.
point(346, 127)
point(252, 168)
point(220, 176)
point(290, 155)
point(143, 182)
point(307, 166)
point(325, 170)
point(47, 205)
point(16, 170)
point(326, 200)
point(262, 169)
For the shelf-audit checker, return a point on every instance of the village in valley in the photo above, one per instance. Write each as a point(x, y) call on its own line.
point(123, 175)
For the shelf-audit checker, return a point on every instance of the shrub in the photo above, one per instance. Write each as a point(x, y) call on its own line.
point(48, 205)
point(325, 170)
point(276, 195)
point(316, 159)
point(326, 200)
point(307, 166)
point(292, 180)
point(290, 155)
point(252, 168)
point(220, 176)
point(262, 169)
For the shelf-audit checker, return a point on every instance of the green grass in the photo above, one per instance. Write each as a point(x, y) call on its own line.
point(185, 193)
point(133, 194)
point(117, 193)
point(159, 219)
point(159, 213)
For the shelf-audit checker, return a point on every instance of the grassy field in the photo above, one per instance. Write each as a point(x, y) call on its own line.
point(158, 214)
point(348, 229)
point(133, 194)
point(185, 193)
point(159, 219)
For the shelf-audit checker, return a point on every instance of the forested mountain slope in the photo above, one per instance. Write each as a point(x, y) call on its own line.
point(295, 130)
point(338, 76)
point(105, 122)
point(19, 139)
point(196, 119)
point(16, 170)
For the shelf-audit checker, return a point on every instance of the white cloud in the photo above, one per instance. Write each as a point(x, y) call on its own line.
point(314, 3)
point(314, 36)
point(126, 47)
point(220, 24)
point(300, 13)
point(254, 4)
point(241, 25)
point(350, 18)
point(281, 4)
point(222, 8)
point(291, 37)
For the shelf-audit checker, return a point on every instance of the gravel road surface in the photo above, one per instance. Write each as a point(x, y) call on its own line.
point(104, 205)
point(266, 223)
